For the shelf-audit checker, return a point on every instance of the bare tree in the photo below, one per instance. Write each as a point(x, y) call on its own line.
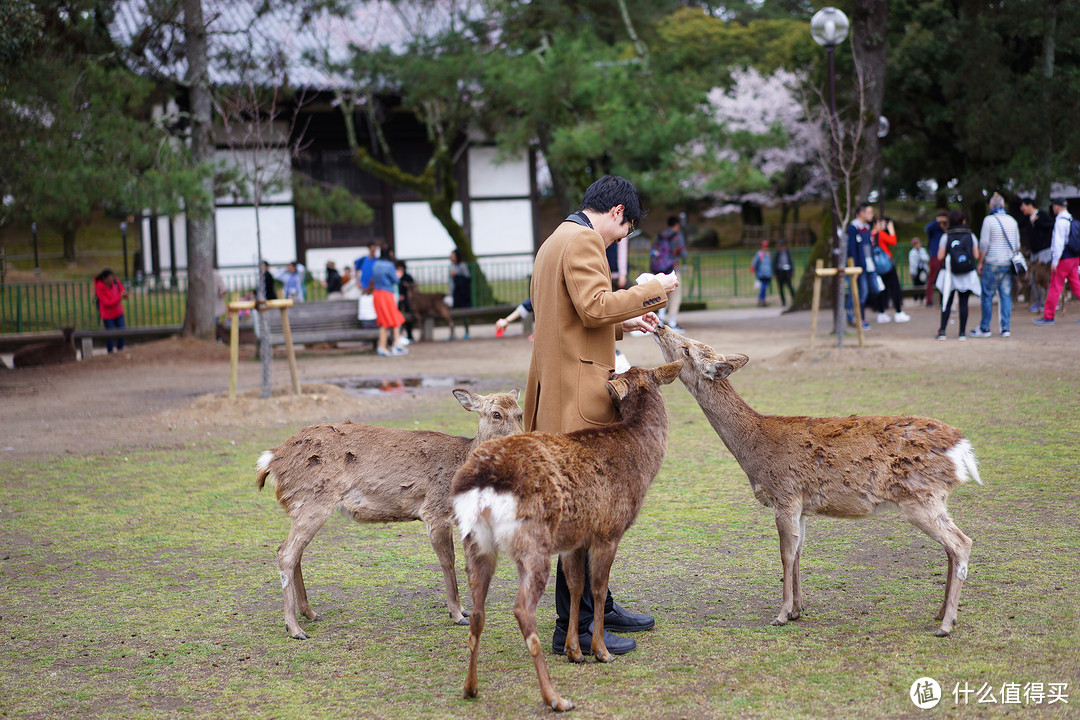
point(259, 128)
point(841, 152)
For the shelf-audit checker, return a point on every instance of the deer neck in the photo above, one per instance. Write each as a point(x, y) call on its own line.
point(647, 425)
point(733, 420)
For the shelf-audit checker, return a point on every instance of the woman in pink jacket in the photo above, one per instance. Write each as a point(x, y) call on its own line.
point(110, 295)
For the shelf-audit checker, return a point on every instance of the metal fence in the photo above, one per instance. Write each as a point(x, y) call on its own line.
point(47, 306)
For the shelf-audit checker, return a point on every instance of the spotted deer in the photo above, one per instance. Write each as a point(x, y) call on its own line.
point(844, 467)
point(536, 494)
point(375, 474)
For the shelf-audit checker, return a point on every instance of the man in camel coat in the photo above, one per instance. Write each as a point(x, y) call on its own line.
point(578, 318)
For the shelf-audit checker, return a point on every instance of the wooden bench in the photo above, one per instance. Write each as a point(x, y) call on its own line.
point(485, 313)
point(325, 321)
point(14, 341)
point(914, 291)
point(155, 332)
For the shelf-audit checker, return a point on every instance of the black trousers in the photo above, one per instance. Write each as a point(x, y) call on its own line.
point(963, 304)
point(562, 600)
point(783, 277)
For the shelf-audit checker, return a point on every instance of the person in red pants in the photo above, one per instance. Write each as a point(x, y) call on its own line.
point(1064, 263)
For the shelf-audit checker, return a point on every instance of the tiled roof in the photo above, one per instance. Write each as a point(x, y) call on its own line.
point(240, 29)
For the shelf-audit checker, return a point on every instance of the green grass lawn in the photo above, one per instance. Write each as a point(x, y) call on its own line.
point(143, 584)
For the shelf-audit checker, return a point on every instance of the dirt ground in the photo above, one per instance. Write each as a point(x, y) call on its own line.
point(175, 391)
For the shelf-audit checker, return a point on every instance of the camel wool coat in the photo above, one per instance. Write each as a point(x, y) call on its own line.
point(577, 317)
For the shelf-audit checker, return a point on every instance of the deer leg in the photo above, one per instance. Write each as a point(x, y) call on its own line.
point(948, 589)
point(600, 559)
point(787, 524)
point(292, 580)
point(479, 567)
point(533, 571)
point(933, 519)
point(796, 584)
point(574, 570)
point(441, 535)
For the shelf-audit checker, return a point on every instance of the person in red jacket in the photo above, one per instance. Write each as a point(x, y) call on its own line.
point(110, 295)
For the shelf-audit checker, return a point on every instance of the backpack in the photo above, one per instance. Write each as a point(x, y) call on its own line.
point(960, 251)
point(660, 256)
point(1073, 241)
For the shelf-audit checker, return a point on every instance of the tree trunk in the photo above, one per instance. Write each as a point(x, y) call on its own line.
point(199, 319)
point(821, 250)
point(559, 185)
point(869, 24)
point(1046, 163)
point(68, 234)
point(440, 199)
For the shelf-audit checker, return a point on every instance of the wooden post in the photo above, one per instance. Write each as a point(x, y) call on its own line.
point(234, 341)
point(824, 272)
point(286, 331)
point(855, 299)
point(816, 304)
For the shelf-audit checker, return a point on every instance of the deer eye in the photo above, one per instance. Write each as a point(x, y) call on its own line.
point(686, 350)
point(497, 415)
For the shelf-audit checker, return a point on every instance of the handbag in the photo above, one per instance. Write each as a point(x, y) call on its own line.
point(1019, 264)
point(882, 261)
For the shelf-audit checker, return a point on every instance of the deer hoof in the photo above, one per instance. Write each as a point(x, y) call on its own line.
point(941, 632)
point(782, 620)
point(605, 657)
point(794, 615)
point(575, 656)
point(471, 693)
point(462, 620)
point(300, 635)
point(559, 704)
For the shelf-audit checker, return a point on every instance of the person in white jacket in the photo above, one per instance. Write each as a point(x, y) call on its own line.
point(1064, 261)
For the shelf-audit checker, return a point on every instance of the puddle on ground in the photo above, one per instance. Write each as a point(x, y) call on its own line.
point(366, 386)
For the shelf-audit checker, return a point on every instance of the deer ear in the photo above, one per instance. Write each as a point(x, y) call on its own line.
point(468, 399)
point(736, 360)
point(617, 387)
point(665, 374)
point(516, 392)
point(724, 367)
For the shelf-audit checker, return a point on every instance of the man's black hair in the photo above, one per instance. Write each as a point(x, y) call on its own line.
point(672, 220)
point(612, 190)
point(862, 206)
point(1027, 201)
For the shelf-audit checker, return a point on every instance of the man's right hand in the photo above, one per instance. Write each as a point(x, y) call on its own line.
point(669, 281)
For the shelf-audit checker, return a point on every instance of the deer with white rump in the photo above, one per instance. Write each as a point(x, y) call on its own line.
point(845, 467)
point(536, 494)
point(375, 474)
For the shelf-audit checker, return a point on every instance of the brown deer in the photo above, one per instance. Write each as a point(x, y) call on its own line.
point(52, 352)
point(375, 474)
point(536, 494)
point(844, 467)
point(424, 305)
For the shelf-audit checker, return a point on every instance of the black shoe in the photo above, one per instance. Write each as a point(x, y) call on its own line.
point(619, 620)
point(616, 645)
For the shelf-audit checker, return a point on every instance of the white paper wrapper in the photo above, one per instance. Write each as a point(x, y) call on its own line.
point(646, 277)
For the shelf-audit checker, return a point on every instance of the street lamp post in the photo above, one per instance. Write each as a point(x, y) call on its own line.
point(37, 267)
point(829, 27)
point(882, 131)
point(123, 240)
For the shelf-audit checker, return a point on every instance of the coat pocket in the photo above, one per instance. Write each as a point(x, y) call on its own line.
point(594, 402)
